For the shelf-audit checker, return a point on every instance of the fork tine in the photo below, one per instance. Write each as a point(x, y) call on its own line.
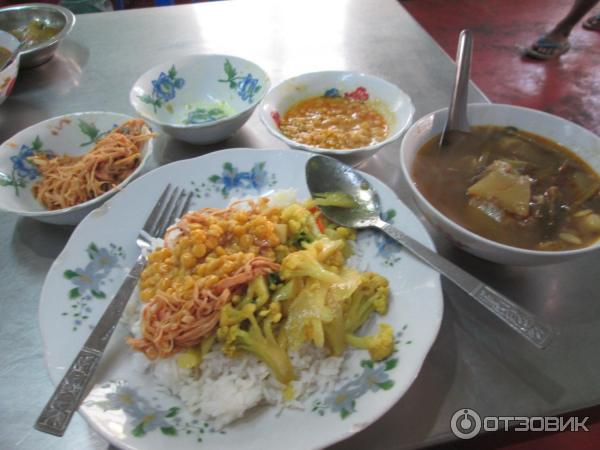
point(186, 205)
point(154, 215)
point(174, 213)
point(177, 211)
point(164, 215)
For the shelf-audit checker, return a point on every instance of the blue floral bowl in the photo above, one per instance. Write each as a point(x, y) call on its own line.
point(71, 134)
point(200, 99)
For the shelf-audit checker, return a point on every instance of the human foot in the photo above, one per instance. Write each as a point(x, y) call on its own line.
point(548, 47)
point(592, 23)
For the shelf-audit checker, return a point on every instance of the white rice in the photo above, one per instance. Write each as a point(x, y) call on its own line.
point(244, 381)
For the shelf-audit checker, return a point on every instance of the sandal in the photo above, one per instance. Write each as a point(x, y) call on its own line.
point(592, 23)
point(557, 49)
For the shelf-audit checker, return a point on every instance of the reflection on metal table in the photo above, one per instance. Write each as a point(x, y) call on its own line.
point(476, 362)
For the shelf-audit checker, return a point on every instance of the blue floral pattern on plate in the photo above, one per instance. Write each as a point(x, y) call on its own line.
point(387, 248)
point(246, 85)
point(164, 89)
point(233, 179)
point(87, 282)
point(23, 169)
point(374, 377)
point(143, 415)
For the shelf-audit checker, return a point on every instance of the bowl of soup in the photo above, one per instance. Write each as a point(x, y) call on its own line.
point(200, 99)
point(347, 115)
point(8, 75)
point(40, 26)
point(522, 187)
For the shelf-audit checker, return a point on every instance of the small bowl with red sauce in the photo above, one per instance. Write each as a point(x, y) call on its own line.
point(347, 115)
point(522, 187)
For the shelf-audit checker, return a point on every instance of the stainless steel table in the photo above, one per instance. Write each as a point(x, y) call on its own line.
point(476, 362)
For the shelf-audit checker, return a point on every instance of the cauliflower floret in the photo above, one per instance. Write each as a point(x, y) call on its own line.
point(380, 345)
point(304, 264)
point(240, 330)
point(371, 295)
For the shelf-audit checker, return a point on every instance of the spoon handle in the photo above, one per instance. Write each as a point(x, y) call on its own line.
point(520, 320)
point(457, 115)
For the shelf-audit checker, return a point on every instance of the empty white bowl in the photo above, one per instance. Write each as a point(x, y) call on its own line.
point(389, 100)
point(71, 134)
point(582, 142)
point(200, 99)
point(8, 76)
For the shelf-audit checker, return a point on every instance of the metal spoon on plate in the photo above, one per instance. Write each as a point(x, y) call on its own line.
point(325, 174)
point(457, 113)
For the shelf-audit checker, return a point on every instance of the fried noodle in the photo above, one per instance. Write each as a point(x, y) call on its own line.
point(69, 180)
point(174, 319)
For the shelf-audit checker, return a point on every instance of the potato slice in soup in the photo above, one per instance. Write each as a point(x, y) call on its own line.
point(507, 189)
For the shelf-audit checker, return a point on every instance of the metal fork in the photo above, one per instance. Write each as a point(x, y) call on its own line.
point(69, 393)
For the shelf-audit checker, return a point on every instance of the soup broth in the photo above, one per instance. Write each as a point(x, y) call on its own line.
point(513, 187)
point(34, 32)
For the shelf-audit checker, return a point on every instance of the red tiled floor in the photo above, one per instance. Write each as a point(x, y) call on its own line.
point(568, 87)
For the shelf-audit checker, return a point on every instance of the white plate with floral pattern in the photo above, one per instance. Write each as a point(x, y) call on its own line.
point(131, 411)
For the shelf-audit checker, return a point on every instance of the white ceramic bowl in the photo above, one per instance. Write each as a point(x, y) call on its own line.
point(582, 142)
point(395, 105)
point(200, 99)
point(71, 134)
point(8, 76)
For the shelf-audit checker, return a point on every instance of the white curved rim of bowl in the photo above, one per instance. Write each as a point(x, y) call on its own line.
point(9, 68)
point(10, 37)
point(69, 23)
point(328, 151)
point(475, 236)
point(117, 188)
point(16, 60)
point(250, 106)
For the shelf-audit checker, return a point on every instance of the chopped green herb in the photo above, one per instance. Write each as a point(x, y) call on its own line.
point(338, 199)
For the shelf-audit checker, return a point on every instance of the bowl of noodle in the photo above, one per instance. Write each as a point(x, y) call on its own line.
point(58, 170)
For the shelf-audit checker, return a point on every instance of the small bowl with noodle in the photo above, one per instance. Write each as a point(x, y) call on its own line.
point(60, 169)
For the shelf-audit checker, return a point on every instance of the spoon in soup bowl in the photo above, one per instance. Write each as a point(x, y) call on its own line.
point(457, 113)
point(328, 175)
